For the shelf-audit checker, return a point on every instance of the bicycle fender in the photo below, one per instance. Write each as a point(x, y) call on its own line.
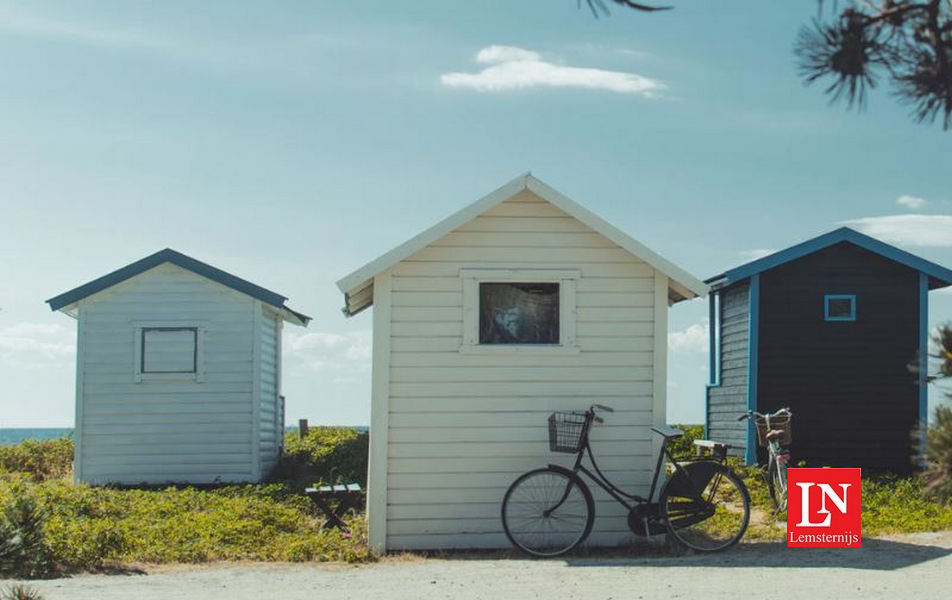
point(699, 474)
point(562, 469)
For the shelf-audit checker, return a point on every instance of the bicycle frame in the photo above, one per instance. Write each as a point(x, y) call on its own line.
point(619, 495)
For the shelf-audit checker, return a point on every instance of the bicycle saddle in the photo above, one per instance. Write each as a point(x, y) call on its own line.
point(667, 431)
point(774, 433)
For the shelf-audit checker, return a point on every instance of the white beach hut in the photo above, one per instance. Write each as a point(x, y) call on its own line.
point(178, 374)
point(520, 304)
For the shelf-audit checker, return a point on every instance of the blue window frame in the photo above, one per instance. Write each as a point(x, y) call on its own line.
point(839, 307)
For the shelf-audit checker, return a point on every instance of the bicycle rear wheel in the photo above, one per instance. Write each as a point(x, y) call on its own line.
point(709, 509)
point(547, 512)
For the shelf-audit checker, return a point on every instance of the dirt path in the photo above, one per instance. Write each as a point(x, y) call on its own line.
point(912, 566)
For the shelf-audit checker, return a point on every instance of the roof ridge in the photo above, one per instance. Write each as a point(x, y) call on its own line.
point(825, 240)
point(169, 255)
point(685, 284)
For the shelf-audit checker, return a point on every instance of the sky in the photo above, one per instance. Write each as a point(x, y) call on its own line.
point(290, 143)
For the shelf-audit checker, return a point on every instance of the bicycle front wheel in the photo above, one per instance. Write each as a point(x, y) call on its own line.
point(547, 512)
point(709, 509)
point(777, 478)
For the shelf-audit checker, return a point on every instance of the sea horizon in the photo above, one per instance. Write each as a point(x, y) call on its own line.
point(15, 435)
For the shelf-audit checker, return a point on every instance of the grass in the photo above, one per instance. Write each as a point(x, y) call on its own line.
point(891, 504)
point(50, 525)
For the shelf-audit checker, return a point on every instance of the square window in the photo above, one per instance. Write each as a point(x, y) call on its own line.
point(169, 350)
point(839, 307)
point(518, 313)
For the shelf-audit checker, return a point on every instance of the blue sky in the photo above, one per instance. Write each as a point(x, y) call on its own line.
point(290, 143)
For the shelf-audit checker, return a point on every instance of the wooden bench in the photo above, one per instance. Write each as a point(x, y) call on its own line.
point(717, 449)
point(344, 496)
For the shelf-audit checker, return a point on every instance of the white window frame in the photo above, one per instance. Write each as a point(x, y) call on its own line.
point(198, 376)
point(568, 314)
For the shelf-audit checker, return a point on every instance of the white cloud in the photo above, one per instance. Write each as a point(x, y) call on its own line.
point(694, 339)
point(500, 54)
point(341, 353)
point(911, 202)
point(909, 230)
point(512, 68)
point(37, 345)
point(756, 253)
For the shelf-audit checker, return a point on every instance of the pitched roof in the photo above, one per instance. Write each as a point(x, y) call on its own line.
point(358, 286)
point(65, 300)
point(939, 275)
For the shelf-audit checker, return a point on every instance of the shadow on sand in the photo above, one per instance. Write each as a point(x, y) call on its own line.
point(875, 554)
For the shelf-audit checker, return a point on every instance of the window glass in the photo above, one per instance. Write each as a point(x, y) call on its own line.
point(169, 349)
point(518, 313)
point(840, 308)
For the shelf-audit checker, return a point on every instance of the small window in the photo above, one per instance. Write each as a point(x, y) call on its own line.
point(518, 313)
point(169, 349)
point(516, 310)
point(839, 307)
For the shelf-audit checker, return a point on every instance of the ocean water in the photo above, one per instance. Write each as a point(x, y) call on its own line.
point(15, 435)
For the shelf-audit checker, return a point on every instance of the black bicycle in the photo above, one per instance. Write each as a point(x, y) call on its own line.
point(547, 512)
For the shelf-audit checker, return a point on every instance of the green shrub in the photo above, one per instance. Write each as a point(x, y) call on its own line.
point(938, 455)
point(19, 591)
point(894, 504)
point(40, 459)
point(343, 450)
point(684, 445)
point(47, 524)
point(84, 527)
point(23, 548)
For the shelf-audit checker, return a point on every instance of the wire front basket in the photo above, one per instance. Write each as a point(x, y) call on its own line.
point(779, 423)
point(566, 431)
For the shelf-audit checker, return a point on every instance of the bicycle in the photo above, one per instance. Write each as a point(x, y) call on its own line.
point(549, 511)
point(773, 433)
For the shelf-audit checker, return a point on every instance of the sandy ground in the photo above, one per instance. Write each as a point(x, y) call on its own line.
point(912, 566)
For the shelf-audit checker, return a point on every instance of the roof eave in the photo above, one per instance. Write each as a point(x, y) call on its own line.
point(362, 277)
point(293, 316)
point(68, 301)
point(843, 234)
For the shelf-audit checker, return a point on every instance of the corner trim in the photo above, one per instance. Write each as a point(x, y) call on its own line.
point(923, 360)
point(660, 356)
point(713, 376)
point(80, 396)
point(256, 308)
point(753, 352)
point(377, 483)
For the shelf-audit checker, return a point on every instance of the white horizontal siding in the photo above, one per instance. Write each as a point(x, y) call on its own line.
point(157, 431)
point(462, 427)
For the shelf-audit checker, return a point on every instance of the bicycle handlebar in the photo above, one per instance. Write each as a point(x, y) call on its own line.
point(753, 413)
point(602, 408)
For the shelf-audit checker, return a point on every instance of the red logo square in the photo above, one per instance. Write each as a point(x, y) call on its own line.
point(823, 508)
